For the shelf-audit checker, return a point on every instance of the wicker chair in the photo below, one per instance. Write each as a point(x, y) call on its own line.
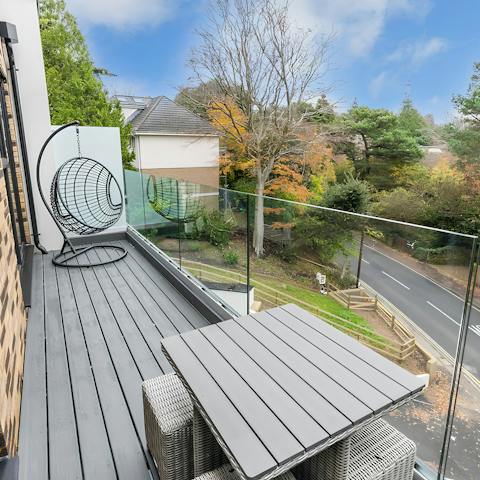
point(377, 452)
point(227, 472)
point(168, 413)
point(207, 453)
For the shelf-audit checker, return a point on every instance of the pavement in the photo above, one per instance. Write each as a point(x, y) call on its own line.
point(434, 308)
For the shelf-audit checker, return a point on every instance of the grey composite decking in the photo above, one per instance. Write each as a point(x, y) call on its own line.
point(93, 336)
point(280, 385)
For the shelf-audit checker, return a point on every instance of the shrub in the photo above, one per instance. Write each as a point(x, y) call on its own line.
point(217, 227)
point(351, 196)
point(281, 250)
point(442, 256)
point(230, 257)
point(244, 184)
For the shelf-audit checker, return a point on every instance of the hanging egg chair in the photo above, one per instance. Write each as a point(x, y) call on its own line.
point(85, 199)
point(175, 200)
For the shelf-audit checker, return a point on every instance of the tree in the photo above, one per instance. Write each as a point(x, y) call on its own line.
point(303, 178)
point(464, 141)
point(266, 68)
point(197, 99)
point(382, 143)
point(464, 137)
point(411, 176)
point(410, 120)
point(469, 105)
point(74, 90)
point(392, 205)
point(439, 198)
point(323, 113)
point(353, 195)
point(447, 200)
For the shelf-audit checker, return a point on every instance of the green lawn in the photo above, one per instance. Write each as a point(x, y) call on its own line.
point(273, 276)
point(323, 302)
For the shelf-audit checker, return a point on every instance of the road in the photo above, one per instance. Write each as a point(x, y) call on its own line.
point(432, 307)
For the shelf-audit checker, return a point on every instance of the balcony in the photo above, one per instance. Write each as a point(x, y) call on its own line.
point(94, 334)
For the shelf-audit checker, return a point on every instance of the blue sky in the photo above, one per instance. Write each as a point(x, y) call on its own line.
point(382, 48)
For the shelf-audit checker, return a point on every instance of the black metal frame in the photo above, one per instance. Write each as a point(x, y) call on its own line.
point(68, 256)
point(10, 173)
point(8, 32)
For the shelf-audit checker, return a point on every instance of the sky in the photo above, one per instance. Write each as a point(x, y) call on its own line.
point(382, 49)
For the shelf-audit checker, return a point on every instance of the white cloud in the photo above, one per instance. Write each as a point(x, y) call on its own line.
point(127, 86)
point(377, 84)
point(357, 24)
point(122, 14)
point(418, 52)
point(429, 49)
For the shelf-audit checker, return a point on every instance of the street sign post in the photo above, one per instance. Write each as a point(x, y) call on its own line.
point(322, 281)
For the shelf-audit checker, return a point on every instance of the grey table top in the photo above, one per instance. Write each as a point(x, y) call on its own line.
point(277, 386)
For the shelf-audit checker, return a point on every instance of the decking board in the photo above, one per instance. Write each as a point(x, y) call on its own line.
point(94, 443)
point(33, 427)
point(93, 336)
point(64, 451)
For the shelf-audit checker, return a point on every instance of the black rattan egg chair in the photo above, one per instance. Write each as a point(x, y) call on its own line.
point(85, 198)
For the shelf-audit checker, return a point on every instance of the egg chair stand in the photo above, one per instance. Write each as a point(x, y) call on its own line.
point(81, 202)
point(67, 257)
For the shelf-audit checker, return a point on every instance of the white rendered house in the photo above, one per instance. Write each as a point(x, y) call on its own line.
point(171, 141)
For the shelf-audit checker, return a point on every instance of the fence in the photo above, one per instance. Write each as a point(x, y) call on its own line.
point(354, 298)
point(359, 299)
point(271, 297)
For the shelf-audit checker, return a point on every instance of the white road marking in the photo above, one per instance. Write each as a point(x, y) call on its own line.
point(443, 313)
point(475, 329)
point(398, 281)
point(366, 261)
point(421, 275)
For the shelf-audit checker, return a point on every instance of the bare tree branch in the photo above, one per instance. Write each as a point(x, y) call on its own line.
point(259, 62)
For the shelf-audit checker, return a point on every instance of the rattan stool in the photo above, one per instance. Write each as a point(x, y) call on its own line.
point(227, 472)
point(168, 413)
point(377, 452)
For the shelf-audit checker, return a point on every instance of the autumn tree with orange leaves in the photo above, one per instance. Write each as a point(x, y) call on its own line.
point(263, 69)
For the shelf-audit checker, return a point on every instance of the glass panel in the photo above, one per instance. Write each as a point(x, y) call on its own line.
point(464, 452)
point(163, 213)
point(420, 277)
point(213, 242)
point(307, 253)
point(398, 288)
point(134, 199)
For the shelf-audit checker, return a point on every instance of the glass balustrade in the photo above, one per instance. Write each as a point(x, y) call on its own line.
point(403, 290)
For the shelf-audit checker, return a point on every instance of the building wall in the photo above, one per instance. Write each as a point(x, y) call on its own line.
point(177, 153)
point(12, 311)
point(202, 175)
point(34, 98)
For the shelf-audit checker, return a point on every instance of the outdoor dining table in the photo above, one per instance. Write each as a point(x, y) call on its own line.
point(279, 386)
